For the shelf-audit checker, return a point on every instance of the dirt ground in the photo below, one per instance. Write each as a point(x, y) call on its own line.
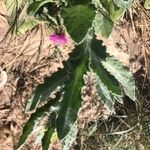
point(27, 59)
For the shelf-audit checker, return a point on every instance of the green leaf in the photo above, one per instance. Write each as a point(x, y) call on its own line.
point(27, 24)
point(117, 14)
point(107, 86)
point(36, 5)
point(147, 4)
point(115, 11)
point(104, 94)
point(110, 10)
point(103, 25)
point(109, 81)
point(34, 119)
point(98, 54)
point(71, 101)
point(123, 3)
point(50, 84)
point(78, 19)
point(122, 74)
point(44, 90)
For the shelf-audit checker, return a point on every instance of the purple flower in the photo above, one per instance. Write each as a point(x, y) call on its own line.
point(58, 39)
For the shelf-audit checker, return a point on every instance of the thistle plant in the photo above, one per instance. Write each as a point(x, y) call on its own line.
point(58, 39)
point(82, 21)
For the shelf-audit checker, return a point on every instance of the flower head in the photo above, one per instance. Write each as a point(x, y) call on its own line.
point(58, 39)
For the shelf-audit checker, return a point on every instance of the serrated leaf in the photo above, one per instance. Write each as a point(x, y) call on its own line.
point(44, 90)
point(36, 5)
point(27, 24)
point(104, 94)
point(147, 4)
point(122, 74)
point(78, 19)
point(103, 25)
point(105, 76)
point(107, 86)
point(50, 84)
point(98, 53)
point(72, 98)
point(34, 119)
